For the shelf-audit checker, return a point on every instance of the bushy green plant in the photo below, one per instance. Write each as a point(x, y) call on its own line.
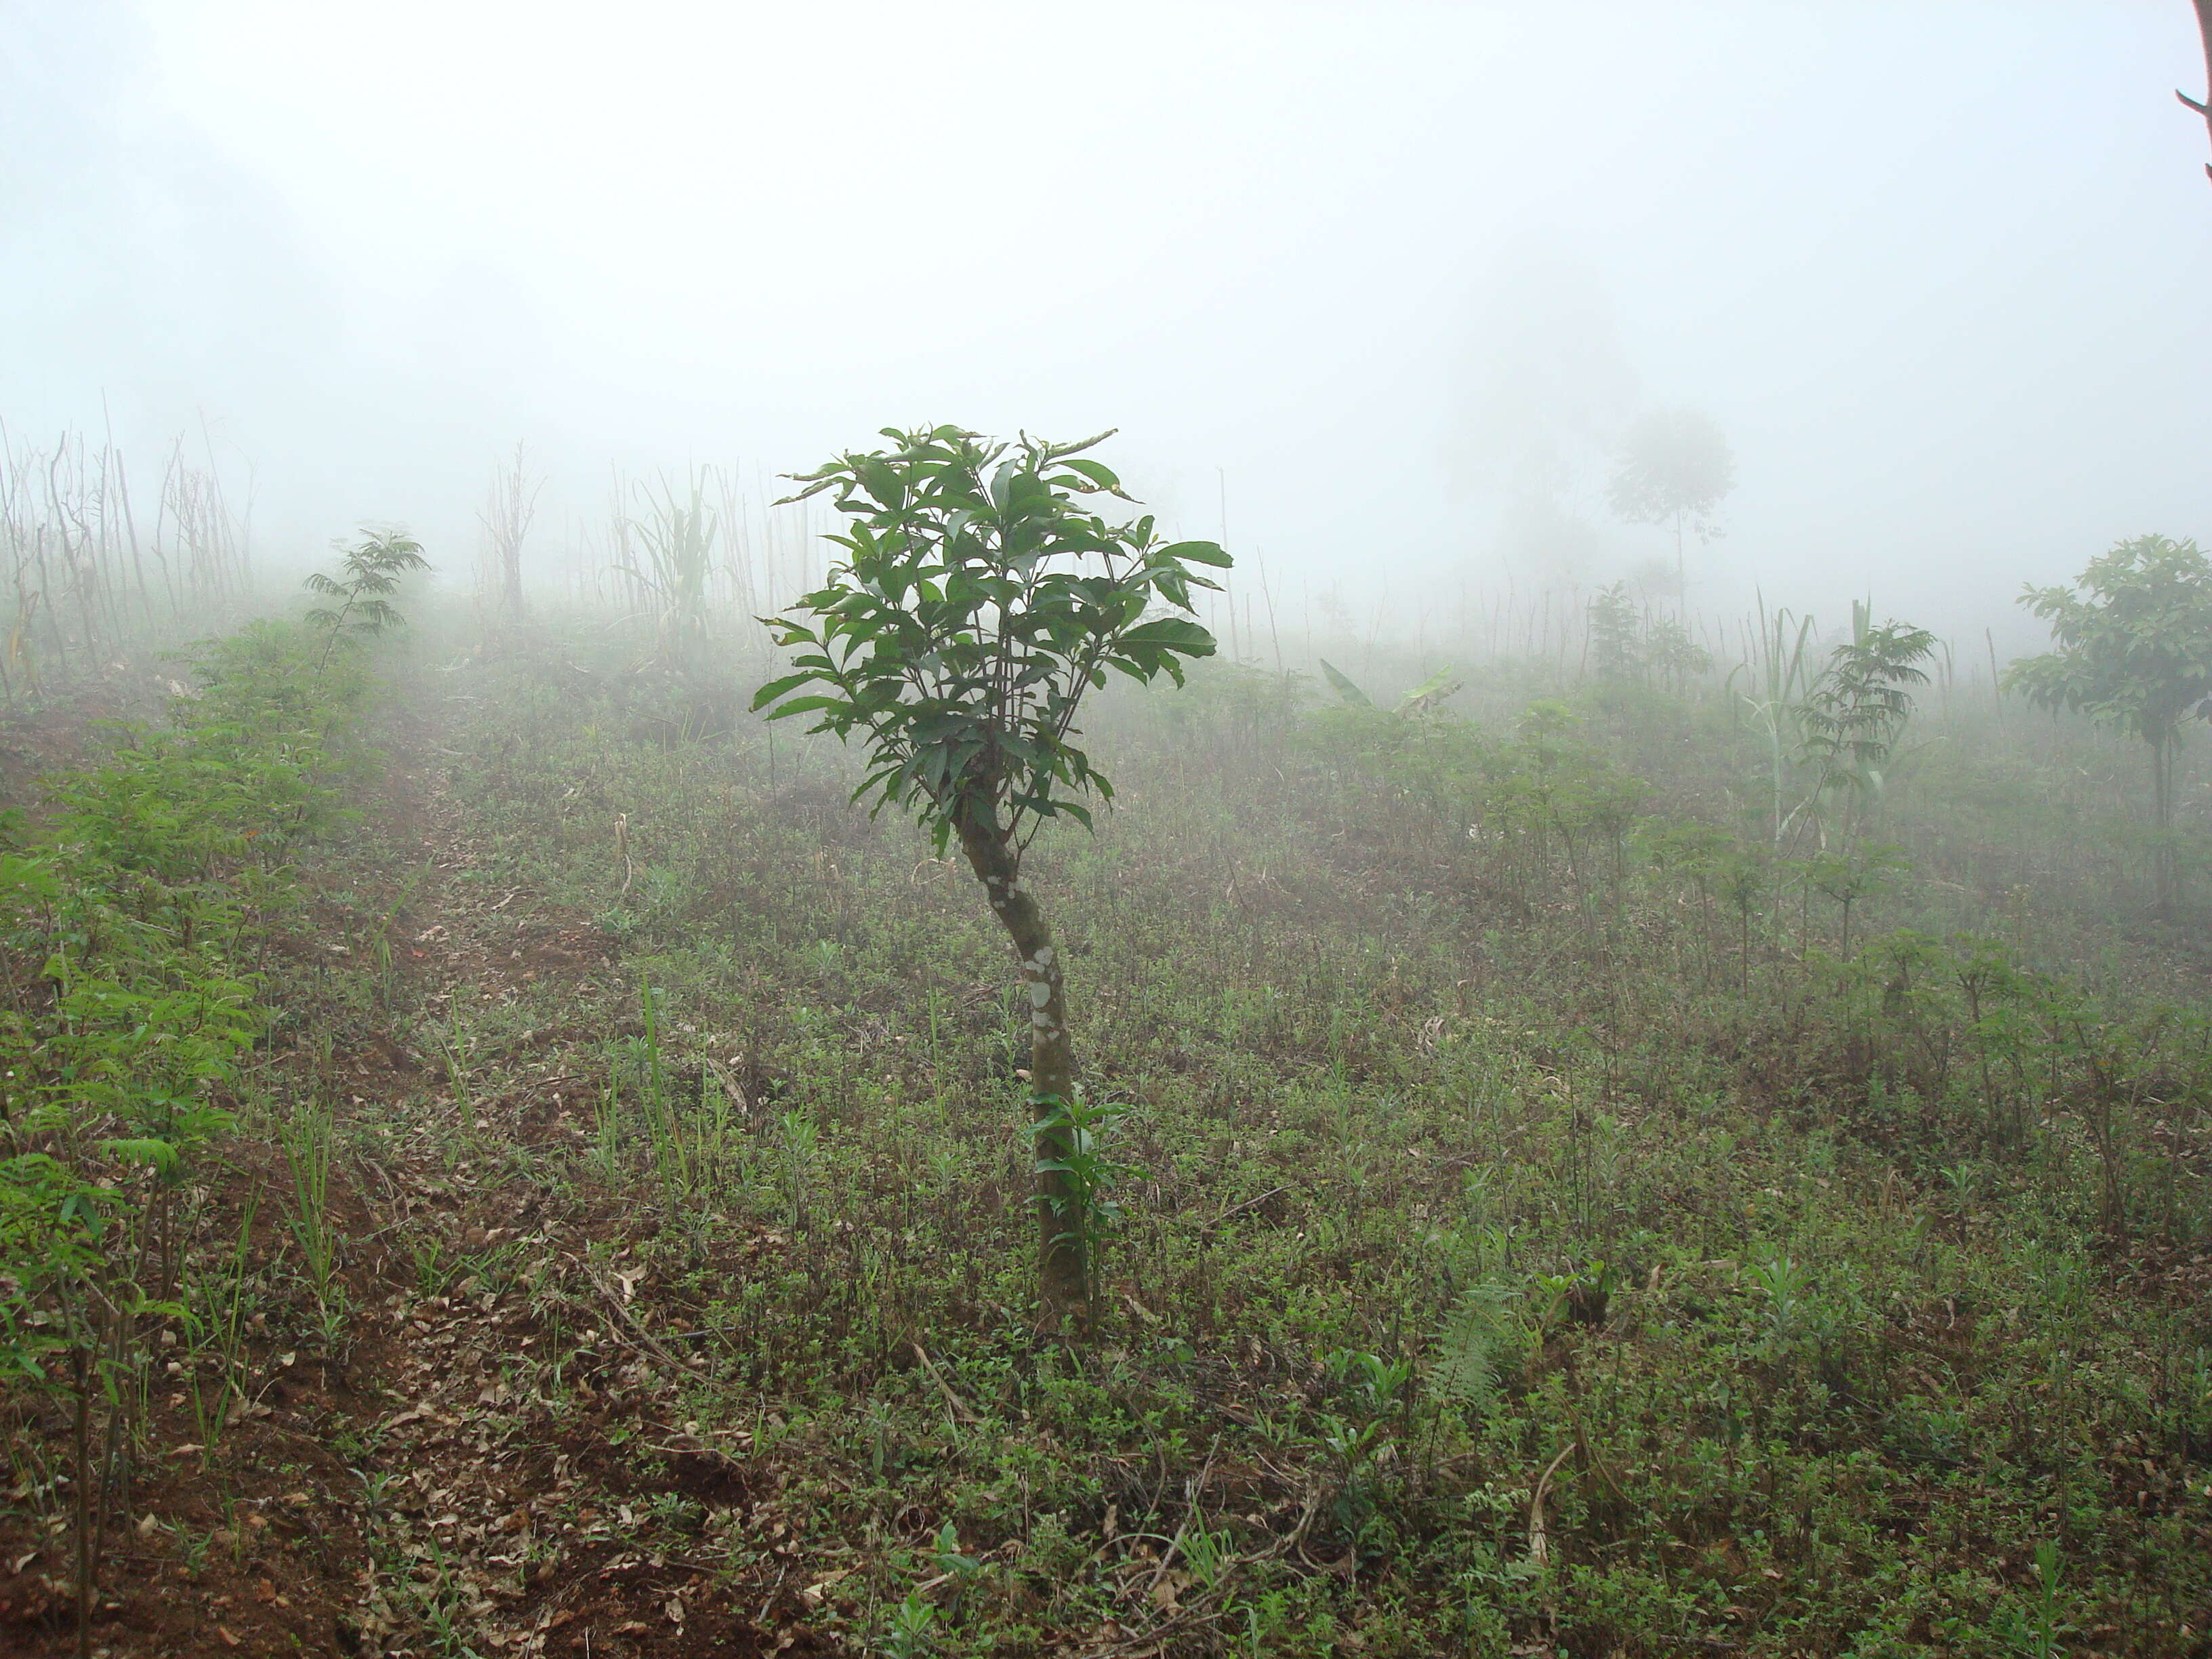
point(129, 926)
point(1616, 644)
point(1554, 792)
point(1431, 760)
point(272, 675)
point(678, 534)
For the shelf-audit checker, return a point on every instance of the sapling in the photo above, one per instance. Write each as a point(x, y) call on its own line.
point(369, 573)
point(1854, 716)
point(978, 601)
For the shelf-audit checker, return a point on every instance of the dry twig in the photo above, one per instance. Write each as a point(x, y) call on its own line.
point(1540, 1544)
point(959, 1407)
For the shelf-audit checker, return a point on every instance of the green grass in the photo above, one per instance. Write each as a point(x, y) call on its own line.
point(1540, 1230)
point(1816, 1293)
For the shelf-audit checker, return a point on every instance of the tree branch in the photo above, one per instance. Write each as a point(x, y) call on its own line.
point(2204, 32)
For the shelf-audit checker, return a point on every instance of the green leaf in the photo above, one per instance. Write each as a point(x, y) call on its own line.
point(775, 689)
point(158, 1155)
point(967, 620)
point(1176, 634)
point(1344, 687)
point(804, 705)
point(1433, 690)
point(1097, 472)
point(1196, 553)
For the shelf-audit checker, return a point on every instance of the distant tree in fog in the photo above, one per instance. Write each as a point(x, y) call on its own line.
point(1656, 579)
point(1553, 542)
point(1672, 467)
point(2135, 653)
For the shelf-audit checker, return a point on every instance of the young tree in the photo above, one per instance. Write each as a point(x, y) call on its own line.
point(369, 573)
point(2135, 653)
point(1672, 467)
point(1616, 634)
point(978, 600)
point(1856, 713)
point(1673, 654)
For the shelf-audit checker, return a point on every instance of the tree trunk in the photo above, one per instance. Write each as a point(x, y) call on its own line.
point(1063, 1275)
point(2165, 873)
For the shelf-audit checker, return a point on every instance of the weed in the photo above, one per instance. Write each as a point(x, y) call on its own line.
point(911, 1632)
point(313, 1228)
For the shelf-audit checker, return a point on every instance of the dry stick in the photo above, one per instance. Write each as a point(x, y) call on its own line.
point(83, 1502)
point(164, 511)
point(737, 512)
point(113, 548)
point(225, 548)
point(959, 1407)
point(130, 525)
point(1195, 1492)
point(1228, 593)
point(1269, 593)
point(1297, 1538)
point(113, 457)
point(1151, 1640)
point(2205, 30)
point(1188, 1617)
point(644, 1336)
point(1239, 1209)
point(77, 585)
point(45, 588)
point(774, 1590)
point(506, 518)
point(1539, 1548)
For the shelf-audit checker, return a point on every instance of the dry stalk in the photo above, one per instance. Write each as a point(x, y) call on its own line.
point(954, 1403)
point(1540, 1543)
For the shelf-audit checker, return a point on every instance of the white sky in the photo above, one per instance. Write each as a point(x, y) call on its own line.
point(1938, 269)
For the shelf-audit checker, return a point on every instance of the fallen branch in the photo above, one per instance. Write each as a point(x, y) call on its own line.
point(644, 1336)
point(1239, 1209)
point(958, 1406)
point(1540, 1544)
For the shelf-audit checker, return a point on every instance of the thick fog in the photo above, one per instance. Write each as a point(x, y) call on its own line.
point(1387, 279)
